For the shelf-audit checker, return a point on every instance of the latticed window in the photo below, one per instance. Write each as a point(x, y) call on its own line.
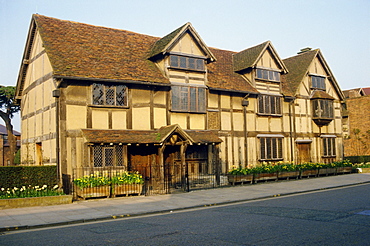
point(271, 148)
point(269, 105)
point(107, 155)
point(114, 95)
point(184, 62)
point(188, 99)
point(328, 146)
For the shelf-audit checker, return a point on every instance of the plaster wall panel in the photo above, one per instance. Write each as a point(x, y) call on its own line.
point(119, 120)
point(159, 117)
point(180, 119)
point(238, 121)
point(275, 124)
point(76, 117)
point(99, 119)
point(212, 100)
point(225, 121)
point(197, 122)
point(141, 118)
point(262, 123)
point(140, 96)
point(159, 97)
point(225, 102)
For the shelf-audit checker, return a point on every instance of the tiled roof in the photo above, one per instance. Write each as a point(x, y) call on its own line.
point(248, 57)
point(3, 131)
point(162, 43)
point(87, 51)
point(367, 91)
point(298, 66)
point(221, 74)
point(148, 137)
point(318, 94)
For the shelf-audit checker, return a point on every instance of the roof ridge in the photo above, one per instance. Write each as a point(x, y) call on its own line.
point(92, 25)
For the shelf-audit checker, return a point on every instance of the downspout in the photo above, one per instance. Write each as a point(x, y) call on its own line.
point(291, 101)
point(56, 95)
point(245, 104)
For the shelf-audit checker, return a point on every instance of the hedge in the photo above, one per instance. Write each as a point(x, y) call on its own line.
point(18, 176)
point(358, 159)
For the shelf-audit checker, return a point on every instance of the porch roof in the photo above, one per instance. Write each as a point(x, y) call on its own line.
point(147, 136)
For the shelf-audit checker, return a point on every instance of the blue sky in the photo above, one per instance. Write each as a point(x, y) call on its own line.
point(340, 28)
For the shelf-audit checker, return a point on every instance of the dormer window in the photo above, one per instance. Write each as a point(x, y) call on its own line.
point(184, 62)
point(266, 74)
point(317, 82)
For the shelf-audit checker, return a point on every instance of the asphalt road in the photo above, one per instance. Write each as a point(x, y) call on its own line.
point(328, 217)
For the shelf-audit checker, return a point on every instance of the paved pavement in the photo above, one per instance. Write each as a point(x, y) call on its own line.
point(102, 209)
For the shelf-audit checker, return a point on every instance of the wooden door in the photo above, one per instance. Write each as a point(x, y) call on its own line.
point(304, 153)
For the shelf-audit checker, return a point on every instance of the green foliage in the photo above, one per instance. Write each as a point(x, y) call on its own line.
point(288, 167)
point(19, 176)
point(95, 180)
point(7, 100)
point(29, 191)
point(359, 159)
point(128, 178)
point(17, 157)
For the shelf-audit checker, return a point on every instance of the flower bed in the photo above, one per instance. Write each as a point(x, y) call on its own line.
point(30, 191)
point(96, 185)
point(275, 171)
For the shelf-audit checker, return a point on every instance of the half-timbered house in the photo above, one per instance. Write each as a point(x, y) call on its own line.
point(95, 97)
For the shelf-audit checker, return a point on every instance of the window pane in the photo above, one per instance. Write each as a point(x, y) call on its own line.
point(109, 95)
point(174, 61)
point(183, 62)
point(263, 148)
point(98, 93)
point(193, 99)
point(191, 63)
point(184, 100)
point(278, 107)
point(108, 156)
point(175, 90)
point(267, 104)
point(261, 104)
point(200, 64)
point(265, 74)
point(259, 73)
point(268, 148)
point(121, 95)
point(274, 146)
point(119, 155)
point(98, 156)
point(201, 100)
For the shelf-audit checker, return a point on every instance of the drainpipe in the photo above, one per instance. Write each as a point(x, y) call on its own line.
point(56, 94)
point(245, 104)
point(290, 100)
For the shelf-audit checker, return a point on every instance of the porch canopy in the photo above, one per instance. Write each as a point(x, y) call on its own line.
point(162, 135)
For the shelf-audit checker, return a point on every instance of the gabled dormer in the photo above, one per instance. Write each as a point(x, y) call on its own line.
point(183, 50)
point(261, 66)
point(310, 76)
point(182, 56)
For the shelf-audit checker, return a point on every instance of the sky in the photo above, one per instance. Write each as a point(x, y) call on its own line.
point(340, 28)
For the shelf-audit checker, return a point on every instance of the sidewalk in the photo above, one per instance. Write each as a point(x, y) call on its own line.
point(102, 209)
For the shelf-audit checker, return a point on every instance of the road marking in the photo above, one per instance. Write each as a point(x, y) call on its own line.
point(365, 212)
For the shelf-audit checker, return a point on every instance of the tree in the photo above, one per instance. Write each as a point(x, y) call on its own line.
point(8, 107)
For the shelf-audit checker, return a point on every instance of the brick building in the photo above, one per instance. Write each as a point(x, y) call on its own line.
point(357, 135)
